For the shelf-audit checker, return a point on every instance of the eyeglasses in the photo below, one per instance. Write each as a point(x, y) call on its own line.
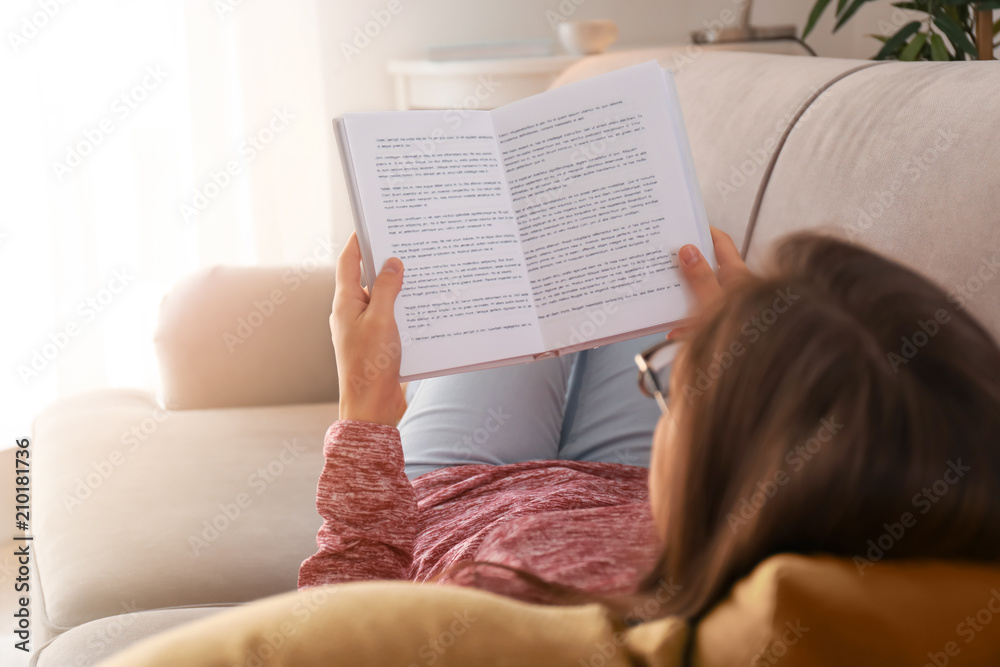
point(654, 372)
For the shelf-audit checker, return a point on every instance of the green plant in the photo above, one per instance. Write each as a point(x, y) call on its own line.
point(922, 39)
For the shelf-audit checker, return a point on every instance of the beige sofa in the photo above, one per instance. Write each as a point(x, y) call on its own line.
point(148, 517)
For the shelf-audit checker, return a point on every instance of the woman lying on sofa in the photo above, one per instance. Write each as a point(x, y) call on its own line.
point(808, 410)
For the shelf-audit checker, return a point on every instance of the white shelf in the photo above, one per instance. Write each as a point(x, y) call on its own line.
point(472, 84)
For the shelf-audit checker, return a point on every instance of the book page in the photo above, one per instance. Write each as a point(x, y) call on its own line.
point(604, 198)
point(433, 194)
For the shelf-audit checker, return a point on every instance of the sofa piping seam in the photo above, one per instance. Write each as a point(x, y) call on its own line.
point(766, 179)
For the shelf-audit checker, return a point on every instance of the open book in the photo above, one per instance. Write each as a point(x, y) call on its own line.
point(543, 227)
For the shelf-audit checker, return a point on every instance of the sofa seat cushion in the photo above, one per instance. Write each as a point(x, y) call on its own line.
point(92, 642)
point(801, 611)
point(135, 505)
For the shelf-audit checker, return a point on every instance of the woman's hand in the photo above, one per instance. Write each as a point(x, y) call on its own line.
point(700, 277)
point(366, 340)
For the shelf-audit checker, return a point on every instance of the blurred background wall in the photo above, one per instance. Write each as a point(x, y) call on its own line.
point(143, 140)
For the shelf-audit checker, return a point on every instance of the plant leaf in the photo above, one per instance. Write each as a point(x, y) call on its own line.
point(938, 50)
point(913, 48)
point(893, 43)
point(840, 6)
point(814, 15)
point(848, 13)
point(955, 34)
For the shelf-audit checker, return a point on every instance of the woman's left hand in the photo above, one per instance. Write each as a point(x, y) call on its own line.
point(366, 340)
point(702, 280)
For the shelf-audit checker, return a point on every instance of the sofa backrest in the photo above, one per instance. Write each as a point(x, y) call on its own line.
point(903, 158)
point(239, 336)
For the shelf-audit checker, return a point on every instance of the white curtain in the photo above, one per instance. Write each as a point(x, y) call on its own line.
point(141, 141)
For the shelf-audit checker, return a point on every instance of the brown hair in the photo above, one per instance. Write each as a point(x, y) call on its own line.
point(833, 401)
point(836, 399)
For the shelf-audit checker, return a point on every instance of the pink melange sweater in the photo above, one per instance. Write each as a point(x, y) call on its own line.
point(586, 525)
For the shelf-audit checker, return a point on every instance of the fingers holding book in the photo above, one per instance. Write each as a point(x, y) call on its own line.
point(350, 298)
point(705, 284)
point(366, 340)
point(387, 286)
point(732, 268)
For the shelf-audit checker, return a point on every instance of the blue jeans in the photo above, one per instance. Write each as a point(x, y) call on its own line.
point(582, 407)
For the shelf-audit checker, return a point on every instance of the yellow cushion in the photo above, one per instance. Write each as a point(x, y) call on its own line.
point(791, 610)
point(390, 623)
point(825, 611)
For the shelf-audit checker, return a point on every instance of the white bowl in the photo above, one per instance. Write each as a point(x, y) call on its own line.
point(587, 38)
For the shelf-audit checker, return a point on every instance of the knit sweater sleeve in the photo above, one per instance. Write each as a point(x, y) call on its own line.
point(368, 507)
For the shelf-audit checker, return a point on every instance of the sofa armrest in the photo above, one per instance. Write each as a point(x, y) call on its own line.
point(136, 507)
point(230, 337)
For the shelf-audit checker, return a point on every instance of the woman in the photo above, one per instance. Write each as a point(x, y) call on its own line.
point(810, 409)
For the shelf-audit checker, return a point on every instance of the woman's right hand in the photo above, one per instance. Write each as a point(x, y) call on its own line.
point(366, 340)
point(699, 276)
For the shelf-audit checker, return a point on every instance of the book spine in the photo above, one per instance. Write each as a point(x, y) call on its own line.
point(354, 194)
